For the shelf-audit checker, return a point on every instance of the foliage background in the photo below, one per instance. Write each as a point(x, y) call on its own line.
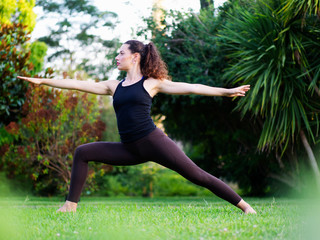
point(246, 43)
point(263, 143)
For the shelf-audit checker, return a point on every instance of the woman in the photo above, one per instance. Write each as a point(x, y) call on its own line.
point(141, 141)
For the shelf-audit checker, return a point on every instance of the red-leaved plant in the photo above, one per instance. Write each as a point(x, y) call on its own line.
point(55, 123)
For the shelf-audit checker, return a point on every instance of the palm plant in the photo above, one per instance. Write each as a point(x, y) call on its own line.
point(278, 54)
point(299, 9)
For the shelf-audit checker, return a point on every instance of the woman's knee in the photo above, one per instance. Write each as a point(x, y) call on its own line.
point(80, 153)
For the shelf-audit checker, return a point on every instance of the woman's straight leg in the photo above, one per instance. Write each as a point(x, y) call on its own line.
point(158, 148)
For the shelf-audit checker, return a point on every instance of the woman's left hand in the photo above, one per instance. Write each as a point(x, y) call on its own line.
point(238, 91)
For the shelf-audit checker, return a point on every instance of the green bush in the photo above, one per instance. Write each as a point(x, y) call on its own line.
point(148, 180)
point(116, 187)
point(38, 52)
point(129, 180)
point(169, 183)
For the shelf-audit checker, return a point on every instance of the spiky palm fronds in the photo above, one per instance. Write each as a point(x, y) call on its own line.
point(281, 63)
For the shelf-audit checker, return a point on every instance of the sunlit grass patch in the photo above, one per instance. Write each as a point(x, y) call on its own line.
point(155, 218)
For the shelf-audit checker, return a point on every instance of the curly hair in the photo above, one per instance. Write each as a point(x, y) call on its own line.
point(151, 63)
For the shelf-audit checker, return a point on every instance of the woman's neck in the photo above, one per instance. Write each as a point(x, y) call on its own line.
point(134, 75)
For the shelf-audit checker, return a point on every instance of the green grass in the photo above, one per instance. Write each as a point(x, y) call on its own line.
point(143, 218)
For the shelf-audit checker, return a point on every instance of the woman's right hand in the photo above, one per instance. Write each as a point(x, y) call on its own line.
point(32, 80)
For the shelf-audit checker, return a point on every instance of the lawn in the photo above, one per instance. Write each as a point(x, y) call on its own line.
point(151, 218)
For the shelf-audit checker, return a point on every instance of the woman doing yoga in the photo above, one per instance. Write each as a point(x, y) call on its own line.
point(141, 140)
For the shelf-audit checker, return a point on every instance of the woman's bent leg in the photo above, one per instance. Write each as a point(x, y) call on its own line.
point(104, 152)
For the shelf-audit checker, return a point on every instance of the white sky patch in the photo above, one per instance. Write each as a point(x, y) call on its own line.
point(130, 17)
point(130, 14)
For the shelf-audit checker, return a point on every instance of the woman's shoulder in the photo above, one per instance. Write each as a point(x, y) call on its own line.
point(115, 82)
point(111, 85)
point(153, 85)
point(152, 82)
point(156, 81)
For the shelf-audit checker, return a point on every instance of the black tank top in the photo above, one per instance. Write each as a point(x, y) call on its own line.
point(132, 105)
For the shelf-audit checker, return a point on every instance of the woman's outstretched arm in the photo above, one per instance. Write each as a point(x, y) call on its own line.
point(183, 88)
point(103, 88)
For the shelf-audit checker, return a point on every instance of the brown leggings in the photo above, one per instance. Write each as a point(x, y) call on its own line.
point(156, 147)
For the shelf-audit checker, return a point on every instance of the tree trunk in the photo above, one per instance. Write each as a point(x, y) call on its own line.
point(311, 157)
point(206, 3)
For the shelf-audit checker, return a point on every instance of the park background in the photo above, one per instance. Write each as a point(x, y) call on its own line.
point(264, 145)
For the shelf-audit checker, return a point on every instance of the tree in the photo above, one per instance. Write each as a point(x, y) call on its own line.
point(204, 4)
point(214, 136)
point(78, 32)
point(281, 61)
point(12, 11)
point(306, 12)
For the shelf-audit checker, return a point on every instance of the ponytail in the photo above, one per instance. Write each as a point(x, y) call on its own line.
point(151, 63)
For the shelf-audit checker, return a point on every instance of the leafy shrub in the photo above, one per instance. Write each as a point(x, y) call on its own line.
point(56, 122)
point(13, 61)
point(38, 52)
point(129, 180)
point(169, 183)
point(17, 57)
point(148, 180)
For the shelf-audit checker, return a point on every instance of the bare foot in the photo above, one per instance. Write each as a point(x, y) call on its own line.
point(245, 207)
point(249, 210)
point(68, 207)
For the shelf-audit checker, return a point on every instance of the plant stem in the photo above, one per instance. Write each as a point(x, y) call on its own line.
point(311, 157)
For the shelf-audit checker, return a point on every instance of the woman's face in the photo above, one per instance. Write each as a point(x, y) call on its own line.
point(125, 59)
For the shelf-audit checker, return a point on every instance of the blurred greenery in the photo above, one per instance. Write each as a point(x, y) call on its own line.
point(13, 11)
point(148, 180)
point(258, 147)
point(264, 142)
point(38, 52)
point(213, 134)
